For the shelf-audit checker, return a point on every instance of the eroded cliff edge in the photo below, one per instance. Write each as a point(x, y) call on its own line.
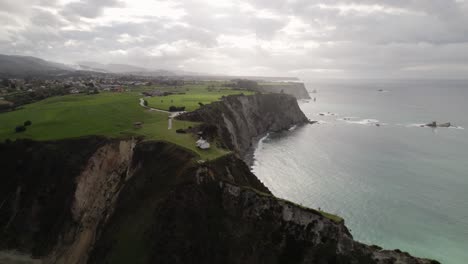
point(98, 200)
point(296, 89)
point(240, 121)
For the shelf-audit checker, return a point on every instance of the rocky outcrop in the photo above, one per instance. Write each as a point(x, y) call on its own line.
point(240, 121)
point(95, 200)
point(295, 89)
point(64, 191)
point(99, 200)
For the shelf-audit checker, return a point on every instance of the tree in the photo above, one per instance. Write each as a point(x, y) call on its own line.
point(176, 109)
point(19, 129)
point(4, 82)
point(27, 123)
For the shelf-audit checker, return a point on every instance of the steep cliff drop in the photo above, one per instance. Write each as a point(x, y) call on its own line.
point(98, 200)
point(296, 89)
point(240, 121)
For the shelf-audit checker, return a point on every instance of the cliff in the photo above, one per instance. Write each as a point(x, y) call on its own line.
point(99, 200)
point(95, 200)
point(240, 121)
point(295, 89)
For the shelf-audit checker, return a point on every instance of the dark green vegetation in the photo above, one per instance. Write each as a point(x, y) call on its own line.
point(22, 98)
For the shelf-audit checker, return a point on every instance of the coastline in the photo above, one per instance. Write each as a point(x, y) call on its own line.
point(179, 204)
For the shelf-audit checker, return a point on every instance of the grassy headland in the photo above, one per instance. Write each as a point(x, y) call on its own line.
point(107, 114)
point(191, 95)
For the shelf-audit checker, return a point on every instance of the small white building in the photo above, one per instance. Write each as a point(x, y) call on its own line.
point(203, 144)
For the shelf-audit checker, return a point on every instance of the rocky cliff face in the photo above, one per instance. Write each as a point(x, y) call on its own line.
point(95, 200)
point(295, 89)
point(240, 121)
point(98, 200)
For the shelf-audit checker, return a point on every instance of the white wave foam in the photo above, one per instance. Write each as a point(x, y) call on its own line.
point(416, 125)
point(327, 114)
point(347, 118)
point(364, 122)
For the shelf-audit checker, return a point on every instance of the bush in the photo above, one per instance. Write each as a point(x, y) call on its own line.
point(181, 131)
point(176, 109)
point(20, 129)
point(27, 123)
point(145, 103)
point(200, 104)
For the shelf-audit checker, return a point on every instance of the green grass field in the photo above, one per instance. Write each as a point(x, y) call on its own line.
point(106, 114)
point(193, 95)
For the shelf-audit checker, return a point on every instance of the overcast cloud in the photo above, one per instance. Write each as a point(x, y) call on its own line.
point(305, 38)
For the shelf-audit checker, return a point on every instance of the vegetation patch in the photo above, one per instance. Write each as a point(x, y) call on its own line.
point(191, 97)
point(106, 114)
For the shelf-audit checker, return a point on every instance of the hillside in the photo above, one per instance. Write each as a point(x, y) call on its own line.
point(12, 66)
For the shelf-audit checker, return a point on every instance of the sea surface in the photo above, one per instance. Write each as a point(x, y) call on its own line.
point(397, 185)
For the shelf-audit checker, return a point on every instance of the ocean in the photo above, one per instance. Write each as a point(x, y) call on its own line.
point(368, 160)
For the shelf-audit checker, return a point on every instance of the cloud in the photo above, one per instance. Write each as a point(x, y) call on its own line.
point(88, 8)
point(310, 38)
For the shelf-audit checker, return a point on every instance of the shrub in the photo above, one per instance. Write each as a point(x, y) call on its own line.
point(181, 131)
point(145, 103)
point(20, 129)
point(27, 123)
point(176, 109)
point(200, 104)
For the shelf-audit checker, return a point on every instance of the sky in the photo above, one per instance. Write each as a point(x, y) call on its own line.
point(305, 38)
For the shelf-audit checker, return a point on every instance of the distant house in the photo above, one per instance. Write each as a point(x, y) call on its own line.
point(119, 89)
point(203, 144)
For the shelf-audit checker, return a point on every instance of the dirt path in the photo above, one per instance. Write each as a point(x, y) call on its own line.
point(171, 114)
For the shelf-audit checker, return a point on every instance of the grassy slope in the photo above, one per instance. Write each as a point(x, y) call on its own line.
point(193, 95)
point(108, 114)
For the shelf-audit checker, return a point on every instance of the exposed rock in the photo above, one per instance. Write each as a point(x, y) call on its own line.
point(108, 201)
point(240, 121)
point(97, 200)
point(433, 124)
point(445, 125)
point(295, 89)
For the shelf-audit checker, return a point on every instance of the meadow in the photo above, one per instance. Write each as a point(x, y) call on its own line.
point(106, 114)
point(191, 96)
